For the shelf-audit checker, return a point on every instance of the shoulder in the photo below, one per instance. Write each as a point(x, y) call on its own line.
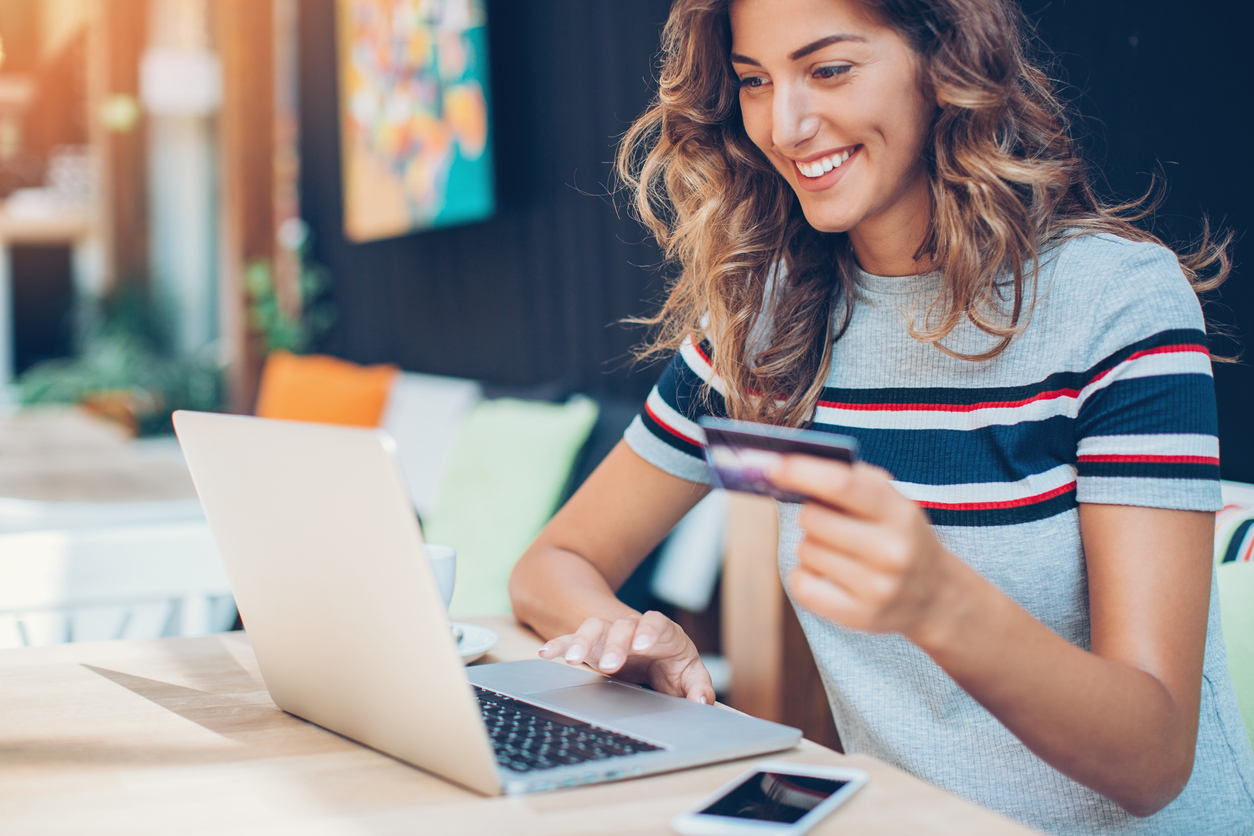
point(1117, 292)
point(1110, 270)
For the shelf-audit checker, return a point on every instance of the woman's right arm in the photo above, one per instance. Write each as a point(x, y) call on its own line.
point(564, 585)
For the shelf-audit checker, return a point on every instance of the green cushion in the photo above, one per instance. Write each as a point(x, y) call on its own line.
point(1236, 605)
point(509, 466)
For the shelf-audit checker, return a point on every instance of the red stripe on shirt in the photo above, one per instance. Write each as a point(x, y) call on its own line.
point(1043, 396)
point(673, 431)
point(1153, 459)
point(1184, 348)
point(1007, 503)
point(949, 407)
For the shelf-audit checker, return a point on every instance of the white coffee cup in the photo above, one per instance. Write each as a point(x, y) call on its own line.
point(443, 562)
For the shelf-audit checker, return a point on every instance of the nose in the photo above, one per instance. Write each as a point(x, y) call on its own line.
point(794, 120)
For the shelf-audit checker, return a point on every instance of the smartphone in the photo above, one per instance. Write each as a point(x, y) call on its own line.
point(775, 798)
point(740, 453)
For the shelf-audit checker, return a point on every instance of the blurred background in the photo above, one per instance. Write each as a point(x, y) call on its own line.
point(189, 186)
point(152, 151)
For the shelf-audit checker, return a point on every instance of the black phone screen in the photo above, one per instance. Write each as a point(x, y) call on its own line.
point(774, 797)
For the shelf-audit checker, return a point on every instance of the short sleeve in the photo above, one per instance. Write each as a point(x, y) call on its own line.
point(665, 433)
point(1147, 427)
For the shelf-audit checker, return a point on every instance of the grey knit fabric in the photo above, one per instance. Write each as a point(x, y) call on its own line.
point(1098, 296)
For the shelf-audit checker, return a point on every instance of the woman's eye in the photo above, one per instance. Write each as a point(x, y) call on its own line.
point(751, 81)
point(832, 71)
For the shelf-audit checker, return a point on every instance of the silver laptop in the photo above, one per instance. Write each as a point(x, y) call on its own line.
point(324, 555)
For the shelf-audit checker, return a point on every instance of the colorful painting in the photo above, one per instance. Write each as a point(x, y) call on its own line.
point(415, 128)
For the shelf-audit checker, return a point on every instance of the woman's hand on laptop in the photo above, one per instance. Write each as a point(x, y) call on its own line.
point(641, 648)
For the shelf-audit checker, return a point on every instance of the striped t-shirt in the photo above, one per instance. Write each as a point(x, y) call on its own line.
point(1106, 397)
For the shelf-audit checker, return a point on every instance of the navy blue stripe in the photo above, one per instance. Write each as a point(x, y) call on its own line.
point(1001, 453)
point(683, 390)
point(1174, 403)
point(689, 396)
point(1174, 336)
point(1234, 544)
point(1052, 507)
point(669, 438)
point(1149, 470)
point(954, 396)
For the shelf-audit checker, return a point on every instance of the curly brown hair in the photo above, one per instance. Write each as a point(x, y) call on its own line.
point(1005, 182)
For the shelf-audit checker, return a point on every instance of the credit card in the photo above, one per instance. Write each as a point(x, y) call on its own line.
point(741, 452)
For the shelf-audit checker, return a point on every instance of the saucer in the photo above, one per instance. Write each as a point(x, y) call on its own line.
point(475, 641)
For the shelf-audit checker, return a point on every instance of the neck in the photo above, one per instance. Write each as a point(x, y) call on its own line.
point(885, 244)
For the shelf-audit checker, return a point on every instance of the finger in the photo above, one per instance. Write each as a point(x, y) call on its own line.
point(697, 685)
point(872, 543)
point(861, 490)
point(862, 582)
point(684, 677)
point(617, 646)
point(586, 641)
point(657, 635)
point(826, 598)
point(556, 647)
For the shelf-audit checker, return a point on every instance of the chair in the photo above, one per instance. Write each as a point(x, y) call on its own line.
point(113, 582)
point(1234, 573)
point(484, 474)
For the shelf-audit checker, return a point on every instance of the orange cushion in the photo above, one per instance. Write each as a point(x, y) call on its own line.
point(323, 389)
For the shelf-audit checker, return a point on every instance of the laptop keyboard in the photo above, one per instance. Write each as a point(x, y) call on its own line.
point(528, 738)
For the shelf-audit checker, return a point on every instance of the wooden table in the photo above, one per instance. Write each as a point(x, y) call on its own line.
point(180, 736)
point(57, 454)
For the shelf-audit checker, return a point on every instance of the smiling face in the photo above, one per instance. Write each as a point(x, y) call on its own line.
point(831, 96)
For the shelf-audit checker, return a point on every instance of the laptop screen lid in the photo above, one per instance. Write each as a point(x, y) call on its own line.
point(324, 554)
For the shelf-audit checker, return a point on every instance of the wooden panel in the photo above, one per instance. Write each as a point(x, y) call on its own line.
point(773, 671)
point(248, 131)
point(119, 31)
point(803, 701)
point(753, 605)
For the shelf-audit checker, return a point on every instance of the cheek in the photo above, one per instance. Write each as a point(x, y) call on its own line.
point(756, 119)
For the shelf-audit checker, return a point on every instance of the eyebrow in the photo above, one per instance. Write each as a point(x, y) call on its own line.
point(813, 46)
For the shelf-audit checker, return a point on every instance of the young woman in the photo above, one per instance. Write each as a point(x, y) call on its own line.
point(882, 230)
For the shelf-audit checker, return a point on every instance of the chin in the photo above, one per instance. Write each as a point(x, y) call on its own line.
point(828, 221)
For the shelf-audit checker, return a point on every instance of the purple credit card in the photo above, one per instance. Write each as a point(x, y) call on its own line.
point(741, 452)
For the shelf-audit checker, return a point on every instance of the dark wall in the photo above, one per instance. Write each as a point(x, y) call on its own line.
point(1165, 88)
point(534, 294)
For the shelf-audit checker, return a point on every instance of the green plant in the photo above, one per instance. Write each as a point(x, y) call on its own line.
point(126, 369)
point(267, 315)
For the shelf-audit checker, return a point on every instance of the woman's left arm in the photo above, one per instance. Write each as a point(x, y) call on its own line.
point(1121, 719)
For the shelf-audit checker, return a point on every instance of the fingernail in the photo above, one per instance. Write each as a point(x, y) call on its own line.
point(702, 700)
point(609, 661)
point(573, 653)
point(641, 643)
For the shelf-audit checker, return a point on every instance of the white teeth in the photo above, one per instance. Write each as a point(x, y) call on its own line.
point(820, 167)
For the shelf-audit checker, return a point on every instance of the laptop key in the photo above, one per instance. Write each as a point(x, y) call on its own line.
point(528, 738)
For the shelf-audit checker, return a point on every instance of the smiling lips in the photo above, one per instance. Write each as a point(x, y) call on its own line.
point(817, 168)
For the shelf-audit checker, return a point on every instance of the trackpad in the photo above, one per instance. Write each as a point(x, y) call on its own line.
point(608, 700)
